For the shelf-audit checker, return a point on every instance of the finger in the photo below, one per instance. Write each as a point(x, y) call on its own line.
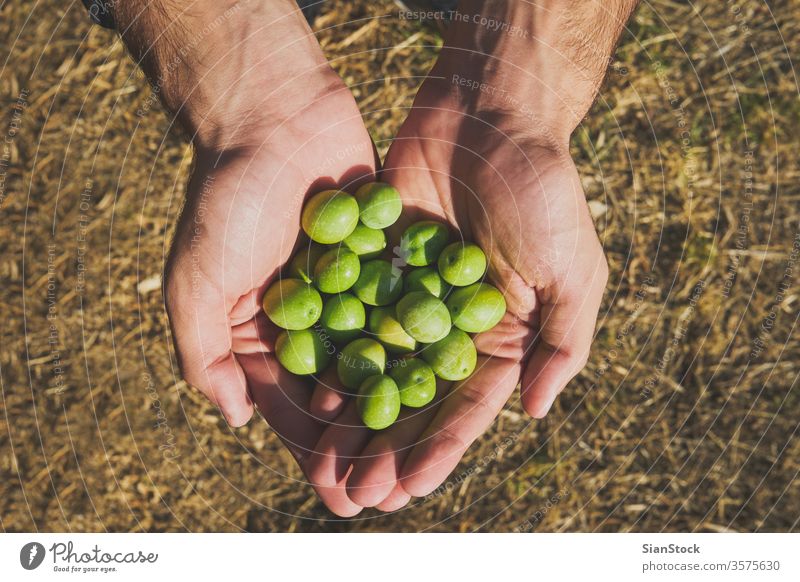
point(397, 499)
point(376, 472)
point(463, 416)
point(562, 349)
point(283, 400)
point(330, 397)
point(330, 464)
point(202, 334)
point(256, 336)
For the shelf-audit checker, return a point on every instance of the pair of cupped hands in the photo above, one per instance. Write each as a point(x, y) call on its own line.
point(482, 166)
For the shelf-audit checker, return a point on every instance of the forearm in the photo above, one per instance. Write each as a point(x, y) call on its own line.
point(550, 55)
point(223, 63)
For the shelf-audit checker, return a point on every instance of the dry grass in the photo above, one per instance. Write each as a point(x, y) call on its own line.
point(681, 421)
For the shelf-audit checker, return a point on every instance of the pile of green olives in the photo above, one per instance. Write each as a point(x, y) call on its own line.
point(344, 297)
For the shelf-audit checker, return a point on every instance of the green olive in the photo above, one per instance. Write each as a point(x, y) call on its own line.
point(416, 382)
point(384, 325)
point(359, 360)
point(337, 270)
point(453, 357)
point(426, 279)
point(302, 351)
point(423, 316)
point(379, 204)
point(292, 304)
point(302, 265)
point(330, 216)
point(343, 317)
point(462, 264)
point(378, 402)
point(476, 308)
point(422, 242)
point(379, 283)
point(368, 243)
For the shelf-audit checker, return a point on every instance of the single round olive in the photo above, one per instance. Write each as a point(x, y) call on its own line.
point(384, 325)
point(462, 264)
point(343, 317)
point(426, 279)
point(368, 243)
point(292, 304)
point(453, 357)
point(337, 270)
point(379, 204)
point(378, 402)
point(359, 360)
point(476, 308)
point(423, 316)
point(416, 382)
point(422, 242)
point(302, 351)
point(379, 283)
point(302, 265)
point(330, 216)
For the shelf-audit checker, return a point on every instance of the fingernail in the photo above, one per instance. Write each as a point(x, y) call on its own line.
point(546, 408)
point(234, 422)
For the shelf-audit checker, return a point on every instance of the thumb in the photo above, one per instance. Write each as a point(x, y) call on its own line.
point(562, 348)
point(202, 333)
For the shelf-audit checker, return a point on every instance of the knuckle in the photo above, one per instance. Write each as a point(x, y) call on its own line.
point(474, 400)
point(448, 440)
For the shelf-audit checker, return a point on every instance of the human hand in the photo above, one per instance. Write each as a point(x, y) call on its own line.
point(271, 123)
point(518, 196)
point(240, 225)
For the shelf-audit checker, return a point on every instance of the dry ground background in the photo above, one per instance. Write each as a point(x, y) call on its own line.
point(684, 419)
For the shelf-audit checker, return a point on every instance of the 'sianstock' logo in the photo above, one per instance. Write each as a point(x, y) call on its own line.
point(31, 555)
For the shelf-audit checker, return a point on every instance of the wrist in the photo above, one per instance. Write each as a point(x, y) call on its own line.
point(537, 111)
point(227, 69)
point(543, 61)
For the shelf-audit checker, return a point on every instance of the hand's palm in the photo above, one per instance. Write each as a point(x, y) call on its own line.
point(240, 225)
